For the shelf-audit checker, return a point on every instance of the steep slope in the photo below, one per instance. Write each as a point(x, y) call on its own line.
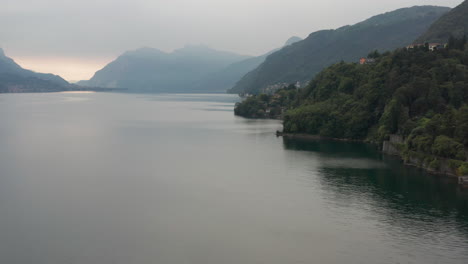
point(292, 40)
point(13, 78)
point(10, 67)
point(226, 78)
point(302, 60)
point(152, 70)
point(453, 23)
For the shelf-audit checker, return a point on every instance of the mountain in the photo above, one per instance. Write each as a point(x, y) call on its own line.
point(152, 70)
point(13, 78)
point(302, 60)
point(11, 83)
point(453, 23)
point(292, 40)
point(9, 66)
point(226, 78)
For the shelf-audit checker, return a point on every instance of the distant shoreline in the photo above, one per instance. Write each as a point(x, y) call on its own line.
point(96, 90)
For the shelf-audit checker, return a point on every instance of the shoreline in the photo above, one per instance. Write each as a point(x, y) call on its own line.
point(317, 137)
point(419, 165)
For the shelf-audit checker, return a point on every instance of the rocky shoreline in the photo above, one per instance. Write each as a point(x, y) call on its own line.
point(392, 147)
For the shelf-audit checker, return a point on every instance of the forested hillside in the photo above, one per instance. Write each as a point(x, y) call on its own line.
point(404, 90)
point(417, 94)
point(302, 60)
point(453, 23)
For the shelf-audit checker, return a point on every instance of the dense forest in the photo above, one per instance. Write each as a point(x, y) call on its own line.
point(419, 94)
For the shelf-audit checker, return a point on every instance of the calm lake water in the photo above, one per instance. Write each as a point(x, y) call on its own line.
point(101, 178)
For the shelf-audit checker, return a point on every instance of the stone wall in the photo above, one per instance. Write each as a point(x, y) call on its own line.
point(394, 146)
point(391, 146)
point(443, 167)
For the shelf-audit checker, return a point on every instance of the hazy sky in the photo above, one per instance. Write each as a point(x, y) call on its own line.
point(74, 38)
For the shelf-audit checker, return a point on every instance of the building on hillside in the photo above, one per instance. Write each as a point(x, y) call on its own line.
point(413, 46)
point(437, 46)
point(271, 89)
point(363, 61)
point(431, 46)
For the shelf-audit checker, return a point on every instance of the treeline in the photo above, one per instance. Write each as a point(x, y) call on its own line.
point(268, 106)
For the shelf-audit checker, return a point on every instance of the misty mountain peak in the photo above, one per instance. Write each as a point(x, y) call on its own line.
point(144, 51)
point(195, 49)
point(150, 69)
point(292, 40)
point(2, 53)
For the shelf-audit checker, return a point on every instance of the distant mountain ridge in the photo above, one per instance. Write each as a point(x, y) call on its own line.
point(152, 70)
point(13, 78)
point(302, 60)
point(9, 66)
point(453, 23)
point(292, 40)
point(226, 78)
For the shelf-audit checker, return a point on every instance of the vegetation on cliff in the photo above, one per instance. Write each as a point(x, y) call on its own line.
point(419, 94)
point(404, 91)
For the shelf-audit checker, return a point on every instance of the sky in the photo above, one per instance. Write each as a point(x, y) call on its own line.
point(76, 38)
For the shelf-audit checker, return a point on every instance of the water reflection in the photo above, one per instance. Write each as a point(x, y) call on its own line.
point(350, 170)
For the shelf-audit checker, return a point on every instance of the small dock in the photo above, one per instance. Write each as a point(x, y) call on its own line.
point(463, 181)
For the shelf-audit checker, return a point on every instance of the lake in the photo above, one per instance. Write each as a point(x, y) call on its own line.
point(101, 178)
